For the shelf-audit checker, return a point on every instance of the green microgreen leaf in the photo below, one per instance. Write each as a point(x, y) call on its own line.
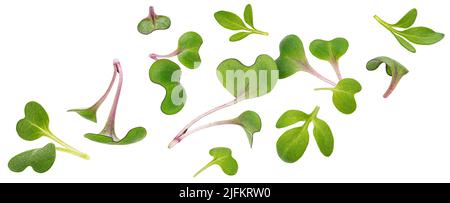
point(250, 122)
point(153, 22)
point(344, 95)
point(167, 74)
point(330, 51)
point(393, 69)
point(248, 81)
point(224, 159)
point(232, 21)
point(291, 117)
point(41, 160)
point(416, 35)
point(133, 136)
point(293, 143)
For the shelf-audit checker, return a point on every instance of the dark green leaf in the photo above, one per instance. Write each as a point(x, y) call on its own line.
point(146, 26)
point(35, 124)
point(41, 160)
point(133, 136)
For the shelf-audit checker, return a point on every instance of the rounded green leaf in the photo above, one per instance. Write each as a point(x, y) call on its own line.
point(292, 144)
point(422, 35)
point(35, 124)
point(230, 20)
point(41, 160)
point(248, 81)
point(167, 74)
point(251, 122)
point(291, 117)
point(329, 50)
point(239, 36)
point(292, 56)
point(324, 137)
point(393, 69)
point(223, 158)
point(407, 20)
point(147, 25)
point(133, 136)
point(189, 45)
point(344, 95)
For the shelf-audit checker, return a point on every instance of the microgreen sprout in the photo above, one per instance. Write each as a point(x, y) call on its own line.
point(416, 35)
point(393, 69)
point(243, 82)
point(232, 21)
point(344, 95)
point(293, 143)
point(224, 159)
point(153, 22)
point(293, 59)
point(187, 52)
point(33, 126)
point(330, 51)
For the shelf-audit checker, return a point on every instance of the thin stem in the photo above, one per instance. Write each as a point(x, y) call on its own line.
point(67, 146)
point(311, 71)
point(386, 25)
point(109, 127)
point(260, 32)
point(204, 168)
point(157, 56)
point(152, 15)
point(393, 85)
point(76, 153)
point(335, 65)
point(209, 125)
point(177, 139)
point(318, 89)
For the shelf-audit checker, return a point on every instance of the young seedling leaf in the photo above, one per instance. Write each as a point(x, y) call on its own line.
point(330, 51)
point(291, 117)
point(133, 136)
point(91, 112)
point(167, 74)
point(293, 59)
point(248, 81)
point(248, 15)
point(251, 122)
point(324, 137)
point(187, 51)
point(232, 21)
point(344, 95)
point(223, 158)
point(41, 160)
point(393, 69)
point(153, 22)
point(293, 143)
point(416, 35)
point(407, 20)
point(35, 124)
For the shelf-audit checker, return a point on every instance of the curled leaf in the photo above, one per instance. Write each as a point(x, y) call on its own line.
point(41, 160)
point(393, 69)
point(223, 158)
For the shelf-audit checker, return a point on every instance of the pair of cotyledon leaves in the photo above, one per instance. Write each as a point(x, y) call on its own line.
point(232, 21)
point(416, 35)
point(167, 73)
point(33, 126)
point(108, 134)
point(222, 157)
point(393, 69)
point(293, 143)
point(153, 22)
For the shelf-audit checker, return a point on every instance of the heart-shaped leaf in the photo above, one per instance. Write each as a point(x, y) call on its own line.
point(133, 136)
point(407, 20)
point(251, 122)
point(329, 50)
point(291, 117)
point(422, 35)
point(324, 137)
point(35, 124)
point(41, 160)
point(153, 22)
point(292, 144)
point(223, 158)
point(292, 56)
point(188, 46)
point(248, 15)
point(393, 69)
point(248, 81)
point(167, 74)
point(344, 95)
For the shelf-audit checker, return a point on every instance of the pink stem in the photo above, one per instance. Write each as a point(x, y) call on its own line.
point(209, 125)
point(151, 14)
point(103, 98)
point(336, 69)
point(392, 86)
point(179, 136)
point(156, 56)
point(310, 70)
point(109, 128)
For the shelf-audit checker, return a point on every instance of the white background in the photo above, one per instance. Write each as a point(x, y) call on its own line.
point(60, 54)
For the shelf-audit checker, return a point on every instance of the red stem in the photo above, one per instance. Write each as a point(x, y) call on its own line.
point(156, 56)
point(336, 69)
point(311, 71)
point(393, 85)
point(109, 127)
